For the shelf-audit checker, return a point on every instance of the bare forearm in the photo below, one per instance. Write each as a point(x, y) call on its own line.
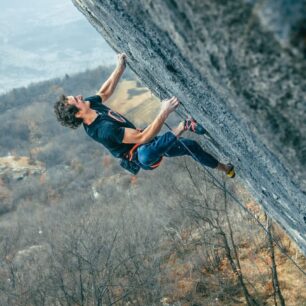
point(109, 86)
point(135, 136)
point(153, 129)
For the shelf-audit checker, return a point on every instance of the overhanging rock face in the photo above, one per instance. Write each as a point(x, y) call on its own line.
point(239, 68)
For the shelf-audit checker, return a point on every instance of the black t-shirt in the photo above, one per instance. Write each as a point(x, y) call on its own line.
point(108, 127)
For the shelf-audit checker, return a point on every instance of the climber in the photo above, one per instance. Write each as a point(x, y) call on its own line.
point(137, 149)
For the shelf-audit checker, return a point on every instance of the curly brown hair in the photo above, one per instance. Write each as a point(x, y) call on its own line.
point(65, 113)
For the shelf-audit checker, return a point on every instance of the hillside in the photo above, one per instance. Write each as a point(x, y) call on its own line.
point(78, 230)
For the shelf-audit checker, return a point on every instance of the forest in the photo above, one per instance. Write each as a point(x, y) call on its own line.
point(82, 231)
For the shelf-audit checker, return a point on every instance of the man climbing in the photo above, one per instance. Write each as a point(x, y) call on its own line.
point(136, 148)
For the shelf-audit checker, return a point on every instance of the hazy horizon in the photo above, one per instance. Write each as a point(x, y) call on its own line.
point(44, 40)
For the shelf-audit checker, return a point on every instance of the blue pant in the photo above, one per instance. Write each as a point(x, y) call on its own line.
point(170, 146)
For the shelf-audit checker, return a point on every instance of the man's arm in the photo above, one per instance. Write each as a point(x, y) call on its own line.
point(109, 86)
point(134, 136)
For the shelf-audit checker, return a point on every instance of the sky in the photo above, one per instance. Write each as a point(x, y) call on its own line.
point(44, 39)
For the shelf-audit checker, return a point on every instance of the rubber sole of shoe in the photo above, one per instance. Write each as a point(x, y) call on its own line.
point(231, 172)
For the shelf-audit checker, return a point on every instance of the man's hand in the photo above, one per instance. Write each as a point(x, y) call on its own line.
point(121, 60)
point(168, 106)
point(109, 86)
point(134, 136)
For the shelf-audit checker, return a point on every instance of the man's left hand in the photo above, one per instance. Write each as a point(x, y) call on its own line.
point(121, 57)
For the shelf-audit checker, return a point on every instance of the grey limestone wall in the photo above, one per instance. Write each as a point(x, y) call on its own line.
point(239, 68)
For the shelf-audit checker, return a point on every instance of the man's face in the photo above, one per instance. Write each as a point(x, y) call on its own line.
point(78, 101)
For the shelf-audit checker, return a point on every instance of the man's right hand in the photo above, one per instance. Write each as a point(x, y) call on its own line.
point(134, 136)
point(168, 106)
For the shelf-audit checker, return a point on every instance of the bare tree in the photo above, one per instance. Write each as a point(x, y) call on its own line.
point(277, 293)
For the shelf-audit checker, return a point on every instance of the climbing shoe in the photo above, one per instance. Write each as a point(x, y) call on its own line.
point(231, 171)
point(193, 126)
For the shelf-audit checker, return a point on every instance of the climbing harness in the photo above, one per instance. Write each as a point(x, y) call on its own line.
point(130, 162)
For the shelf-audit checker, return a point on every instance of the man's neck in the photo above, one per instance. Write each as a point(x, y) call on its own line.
point(90, 117)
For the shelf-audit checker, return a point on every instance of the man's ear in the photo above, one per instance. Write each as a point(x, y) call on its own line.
point(78, 114)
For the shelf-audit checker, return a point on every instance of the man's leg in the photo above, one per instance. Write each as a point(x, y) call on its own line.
point(185, 146)
point(171, 145)
point(150, 153)
point(192, 148)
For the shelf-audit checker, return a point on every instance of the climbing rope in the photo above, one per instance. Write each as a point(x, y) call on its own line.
point(223, 187)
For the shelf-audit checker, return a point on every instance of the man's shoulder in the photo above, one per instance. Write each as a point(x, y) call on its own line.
point(97, 104)
point(94, 99)
point(102, 125)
